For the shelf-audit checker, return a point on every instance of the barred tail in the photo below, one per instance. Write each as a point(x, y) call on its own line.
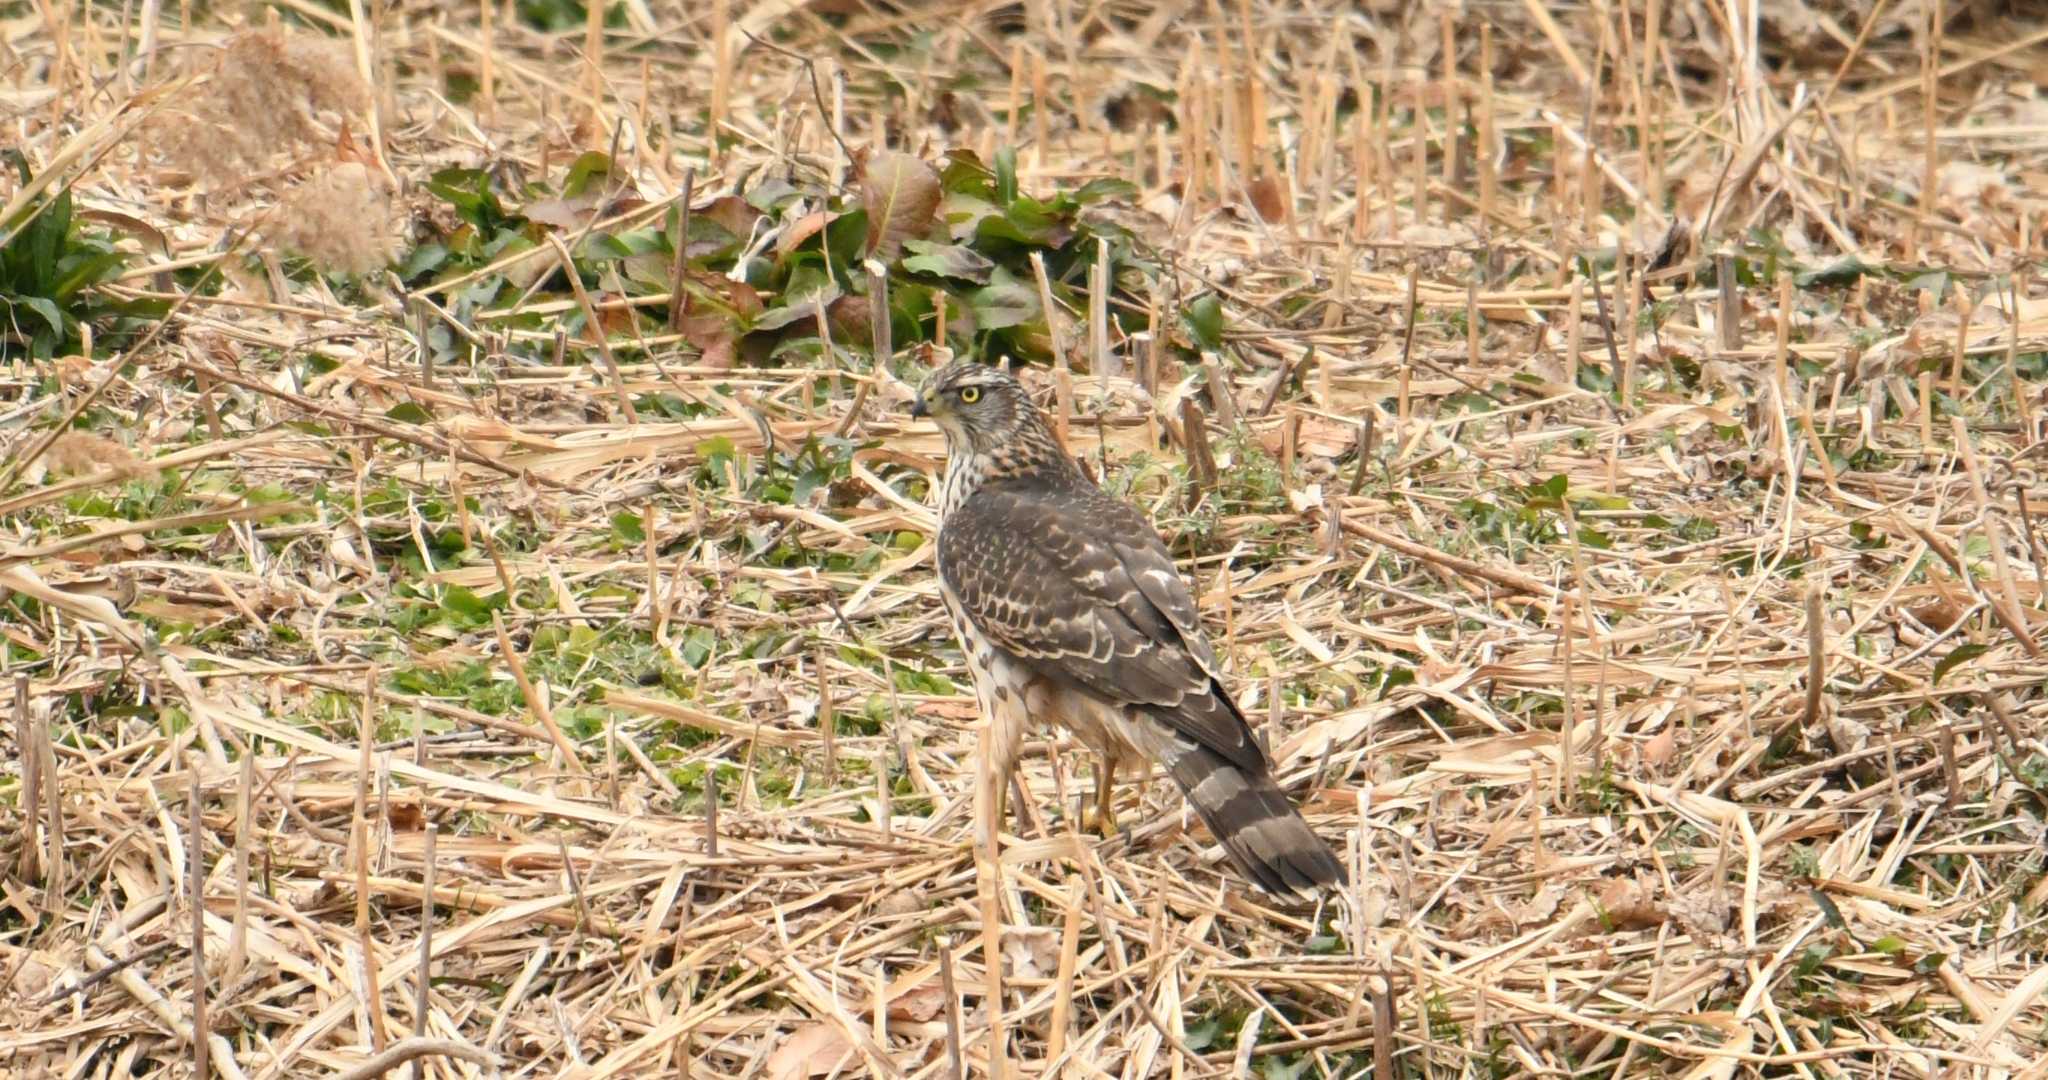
point(1260, 829)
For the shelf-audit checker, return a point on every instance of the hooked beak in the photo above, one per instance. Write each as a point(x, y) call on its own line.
point(917, 408)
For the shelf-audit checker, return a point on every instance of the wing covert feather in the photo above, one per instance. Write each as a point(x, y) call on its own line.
point(1076, 585)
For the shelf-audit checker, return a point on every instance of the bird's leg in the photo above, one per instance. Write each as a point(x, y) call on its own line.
point(1105, 797)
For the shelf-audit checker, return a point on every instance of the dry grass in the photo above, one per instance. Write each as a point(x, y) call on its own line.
point(1674, 693)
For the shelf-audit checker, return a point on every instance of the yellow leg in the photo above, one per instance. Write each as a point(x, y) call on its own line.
point(1105, 796)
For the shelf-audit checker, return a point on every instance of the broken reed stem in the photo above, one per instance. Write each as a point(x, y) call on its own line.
point(1361, 167)
point(1632, 310)
point(1574, 333)
point(1053, 326)
point(711, 809)
point(1041, 121)
point(426, 348)
point(2008, 603)
point(1382, 1027)
point(1447, 27)
point(1816, 653)
point(596, 327)
point(1407, 359)
point(487, 64)
point(651, 555)
point(885, 800)
point(1566, 771)
point(1218, 383)
point(1070, 948)
point(828, 720)
point(1728, 317)
point(535, 703)
point(2033, 535)
point(29, 859)
point(1016, 94)
point(1488, 181)
point(1965, 307)
point(882, 340)
point(2021, 407)
point(359, 840)
point(421, 1000)
point(56, 870)
point(195, 870)
point(1419, 163)
point(593, 63)
point(1926, 412)
point(1099, 359)
point(245, 791)
point(1472, 317)
point(721, 71)
point(1930, 68)
point(955, 1055)
point(990, 887)
point(1290, 435)
point(1781, 356)
point(679, 239)
point(1365, 433)
point(1195, 442)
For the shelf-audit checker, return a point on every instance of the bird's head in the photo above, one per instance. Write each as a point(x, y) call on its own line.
point(979, 406)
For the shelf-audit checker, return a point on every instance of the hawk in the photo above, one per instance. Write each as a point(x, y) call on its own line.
point(1070, 611)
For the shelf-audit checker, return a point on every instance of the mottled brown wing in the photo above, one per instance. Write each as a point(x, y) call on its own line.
point(1077, 585)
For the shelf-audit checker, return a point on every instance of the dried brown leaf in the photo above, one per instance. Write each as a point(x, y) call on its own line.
point(919, 1003)
point(901, 195)
point(1269, 198)
point(812, 1050)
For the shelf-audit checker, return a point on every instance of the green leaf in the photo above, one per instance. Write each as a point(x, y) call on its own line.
point(846, 238)
point(1550, 493)
point(1204, 320)
point(603, 247)
point(592, 164)
point(965, 174)
point(1006, 175)
point(627, 529)
point(78, 271)
point(947, 260)
point(716, 447)
point(409, 412)
point(1026, 221)
point(697, 645)
point(1828, 910)
point(44, 307)
point(465, 607)
point(1005, 302)
point(1959, 655)
point(425, 259)
point(1278, 1067)
point(1107, 187)
point(1843, 271)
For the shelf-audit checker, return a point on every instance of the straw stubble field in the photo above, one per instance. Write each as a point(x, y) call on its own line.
point(459, 532)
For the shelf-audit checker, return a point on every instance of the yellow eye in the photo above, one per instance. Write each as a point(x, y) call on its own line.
point(970, 394)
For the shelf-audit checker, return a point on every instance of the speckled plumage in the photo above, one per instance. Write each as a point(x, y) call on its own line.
point(1071, 612)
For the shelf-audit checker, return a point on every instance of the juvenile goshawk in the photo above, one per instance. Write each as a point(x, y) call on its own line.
point(1070, 611)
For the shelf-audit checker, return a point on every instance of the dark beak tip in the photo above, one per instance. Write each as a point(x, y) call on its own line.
point(918, 411)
